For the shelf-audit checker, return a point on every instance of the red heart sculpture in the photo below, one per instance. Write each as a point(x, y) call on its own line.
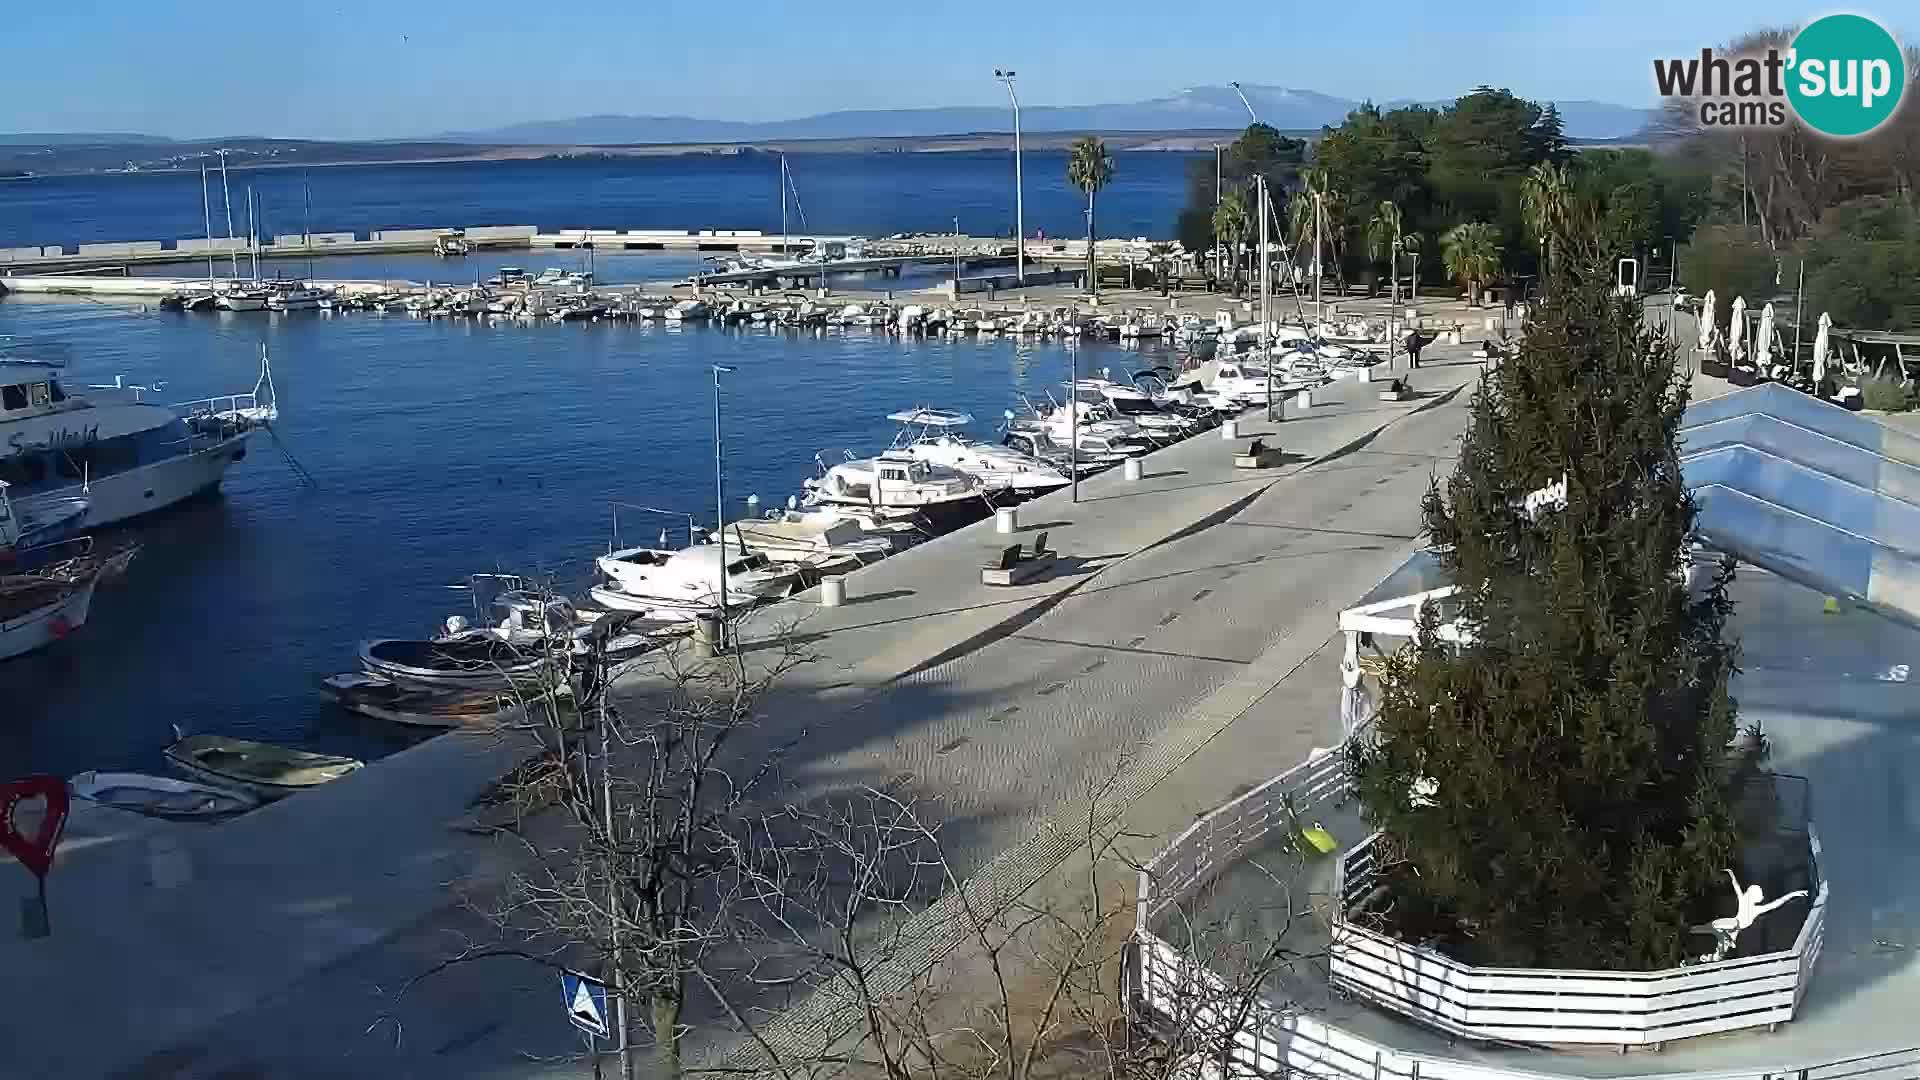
point(35, 854)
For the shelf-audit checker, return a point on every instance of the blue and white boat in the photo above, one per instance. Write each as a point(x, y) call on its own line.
point(123, 455)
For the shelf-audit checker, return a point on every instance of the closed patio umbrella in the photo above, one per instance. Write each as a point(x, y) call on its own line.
point(1737, 332)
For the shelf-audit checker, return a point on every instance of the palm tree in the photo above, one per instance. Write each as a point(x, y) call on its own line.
point(1546, 198)
point(1230, 228)
point(1471, 253)
point(1090, 168)
point(1300, 220)
point(1162, 255)
point(1383, 241)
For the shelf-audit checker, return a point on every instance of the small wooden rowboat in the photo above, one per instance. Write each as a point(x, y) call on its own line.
point(160, 796)
point(258, 768)
point(383, 699)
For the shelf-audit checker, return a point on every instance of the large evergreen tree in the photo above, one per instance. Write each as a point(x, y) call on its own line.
point(1555, 789)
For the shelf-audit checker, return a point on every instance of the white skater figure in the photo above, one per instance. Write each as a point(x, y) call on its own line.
point(1726, 931)
point(1356, 705)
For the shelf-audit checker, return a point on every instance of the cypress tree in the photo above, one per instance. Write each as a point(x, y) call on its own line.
point(1555, 790)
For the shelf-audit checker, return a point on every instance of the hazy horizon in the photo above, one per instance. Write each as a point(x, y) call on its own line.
point(353, 69)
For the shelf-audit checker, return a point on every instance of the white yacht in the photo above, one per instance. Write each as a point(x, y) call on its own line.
point(294, 296)
point(240, 296)
point(684, 584)
point(127, 456)
point(935, 436)
point(947, 497)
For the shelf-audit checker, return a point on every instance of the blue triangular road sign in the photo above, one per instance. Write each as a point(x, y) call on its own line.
point(586, 1000)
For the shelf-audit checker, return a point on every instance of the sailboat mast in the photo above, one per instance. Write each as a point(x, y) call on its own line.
point(786, 246)
point(1266, 290)
point(226, 196)
point(253, 236)
point(306, 225)
point(206, 214)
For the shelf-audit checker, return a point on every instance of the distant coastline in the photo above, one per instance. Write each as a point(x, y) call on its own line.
point(127, 158)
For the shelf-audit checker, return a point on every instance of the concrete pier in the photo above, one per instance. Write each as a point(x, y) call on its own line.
point(1178, 604)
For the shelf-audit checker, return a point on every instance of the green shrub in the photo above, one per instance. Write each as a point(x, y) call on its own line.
point(1885, 395)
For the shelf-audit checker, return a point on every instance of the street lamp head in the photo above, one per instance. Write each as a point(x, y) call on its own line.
point(722, 369)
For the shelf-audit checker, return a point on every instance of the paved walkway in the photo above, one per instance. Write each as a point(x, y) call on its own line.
point(1183, 601)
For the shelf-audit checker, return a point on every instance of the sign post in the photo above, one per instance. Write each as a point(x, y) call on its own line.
point(35, 852)
point(586, 1003)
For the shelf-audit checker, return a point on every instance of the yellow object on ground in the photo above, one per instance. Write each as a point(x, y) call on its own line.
point(1832, 606)
point(1319, 839)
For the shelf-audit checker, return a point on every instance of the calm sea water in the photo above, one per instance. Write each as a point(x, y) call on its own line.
point(441, 448)
point(864, 194)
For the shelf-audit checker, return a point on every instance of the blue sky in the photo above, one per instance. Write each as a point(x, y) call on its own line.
point(359, 69)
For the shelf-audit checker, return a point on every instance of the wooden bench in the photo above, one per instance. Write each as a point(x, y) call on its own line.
point(1258, 456)
point(1011, 566)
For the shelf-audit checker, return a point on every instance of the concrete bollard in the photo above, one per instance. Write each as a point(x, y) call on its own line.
point(1229, 429)
point(833, 591)
point(1412, 314)
point(1305, 399)
point(1493, 322)
point(1366, 373)
point(168, 866)
point(1453, 337)
point(1006, 519)
point(1132, 469)
point(707, 636)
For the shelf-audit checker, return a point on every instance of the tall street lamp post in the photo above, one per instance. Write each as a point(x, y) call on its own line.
point(1019, 188)
point(720, 499)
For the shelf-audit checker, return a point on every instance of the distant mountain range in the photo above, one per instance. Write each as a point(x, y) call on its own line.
point(1200, 107)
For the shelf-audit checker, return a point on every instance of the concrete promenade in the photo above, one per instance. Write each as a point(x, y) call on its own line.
point(1183, 605)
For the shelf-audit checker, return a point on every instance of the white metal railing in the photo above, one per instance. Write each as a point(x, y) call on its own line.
point(1223, 835)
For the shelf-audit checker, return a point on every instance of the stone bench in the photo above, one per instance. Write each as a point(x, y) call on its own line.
point(1258, 456)
point(1397, 390)
point(1012, 566)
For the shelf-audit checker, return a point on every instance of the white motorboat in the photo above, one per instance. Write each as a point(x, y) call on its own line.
point(685, 584)
point(160, 796)
point(912, 319)
point(1134, 405)
point(1141, 325)
point(894, 480)
point(935, 436)
point(1096, 421)
point(1240, 383)
point(294, 296)
point(126, 457)
point(1095, 451)
point(821, 541)
point(238, 296)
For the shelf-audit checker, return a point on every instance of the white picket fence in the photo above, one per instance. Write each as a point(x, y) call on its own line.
point(1265, 1038)
point(1542, 1005)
